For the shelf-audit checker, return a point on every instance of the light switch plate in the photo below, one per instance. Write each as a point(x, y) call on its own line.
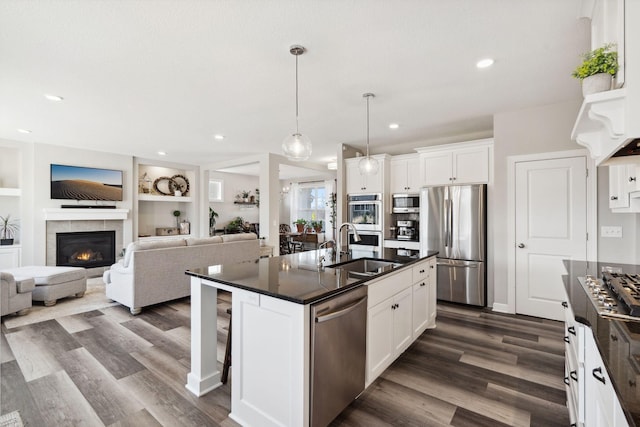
point(610, 231)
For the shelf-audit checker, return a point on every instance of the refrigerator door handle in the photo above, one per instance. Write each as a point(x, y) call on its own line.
point(450, 223)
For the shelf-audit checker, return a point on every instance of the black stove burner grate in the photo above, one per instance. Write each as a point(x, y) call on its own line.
point(626, 288)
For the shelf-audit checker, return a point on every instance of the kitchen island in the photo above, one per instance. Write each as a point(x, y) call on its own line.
point(271, 316)
point(603, 353)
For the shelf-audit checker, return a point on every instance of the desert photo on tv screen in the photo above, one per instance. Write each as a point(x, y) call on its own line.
point(82, 183)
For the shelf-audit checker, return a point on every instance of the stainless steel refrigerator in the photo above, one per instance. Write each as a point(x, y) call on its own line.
point(453, 221)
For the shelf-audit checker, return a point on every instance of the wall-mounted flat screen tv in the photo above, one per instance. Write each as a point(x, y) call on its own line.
point(83, 183)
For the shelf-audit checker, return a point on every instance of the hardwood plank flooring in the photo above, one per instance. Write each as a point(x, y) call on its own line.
point(107, 368)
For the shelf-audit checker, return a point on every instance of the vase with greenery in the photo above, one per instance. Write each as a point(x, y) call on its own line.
point(598, 68)
point(332, 204)
point(300, 223)
point(316, 225)
point(8, 230)
point(212, 221)
point(236, 225)
point(177, 214)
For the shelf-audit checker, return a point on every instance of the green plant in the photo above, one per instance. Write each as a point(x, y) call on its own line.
point(601, 60)
point(212, 217)
point(177, 214)
point(8, 227)
point(316, 225)
point(236, 225)
point(300, 221)
point(245, 194)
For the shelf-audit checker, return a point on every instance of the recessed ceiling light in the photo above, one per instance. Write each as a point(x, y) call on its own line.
point(484, 63)
point(394, 126)
point(162, 153)
point(54, 98)
point(218, 137)
point(24, 131)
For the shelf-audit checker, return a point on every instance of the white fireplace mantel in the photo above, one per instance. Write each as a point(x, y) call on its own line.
point(62, 214)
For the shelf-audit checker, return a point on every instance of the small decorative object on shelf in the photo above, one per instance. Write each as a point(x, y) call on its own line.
point(144, 184)
point(185, 227)
point(165, 186)
point(180, 185)
point(597, 70)
point(8, 229)
point(177, 215)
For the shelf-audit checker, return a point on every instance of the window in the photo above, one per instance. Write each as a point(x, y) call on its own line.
point(309, 202)
point(215, 190)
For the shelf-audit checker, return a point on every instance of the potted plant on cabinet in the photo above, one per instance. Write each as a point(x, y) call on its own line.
point(177, 214)
point(300, 223)
point(8, 229)
point(597, 70)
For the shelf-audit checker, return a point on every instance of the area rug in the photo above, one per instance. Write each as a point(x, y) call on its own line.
point(12, 419)
point(94, 299)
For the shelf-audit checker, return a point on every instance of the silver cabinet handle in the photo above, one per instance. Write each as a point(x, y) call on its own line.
point(521, 245)
point(614, 197)
point(632, 178)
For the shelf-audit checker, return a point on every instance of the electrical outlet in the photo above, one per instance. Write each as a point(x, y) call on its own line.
point(611, 231)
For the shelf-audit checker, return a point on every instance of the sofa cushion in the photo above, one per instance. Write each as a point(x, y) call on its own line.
point(193, 241)
point(239, 236)
point(152, 244)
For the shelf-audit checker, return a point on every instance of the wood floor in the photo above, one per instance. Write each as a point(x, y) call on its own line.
point(106, 367)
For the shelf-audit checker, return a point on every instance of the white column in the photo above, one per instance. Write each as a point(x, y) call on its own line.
point(204, 375)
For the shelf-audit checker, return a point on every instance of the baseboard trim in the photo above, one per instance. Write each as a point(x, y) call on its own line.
point(501, 308)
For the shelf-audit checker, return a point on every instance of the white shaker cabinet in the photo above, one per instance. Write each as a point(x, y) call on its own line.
point(460, 163)
point(424, 297)
point(405, 174)
point(602, 408)
point(624, 189)
point(361, 184)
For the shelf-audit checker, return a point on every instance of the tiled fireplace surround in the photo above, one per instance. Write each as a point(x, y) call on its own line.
point(69, 226)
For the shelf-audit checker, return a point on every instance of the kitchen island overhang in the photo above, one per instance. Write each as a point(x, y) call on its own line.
point(271, 299)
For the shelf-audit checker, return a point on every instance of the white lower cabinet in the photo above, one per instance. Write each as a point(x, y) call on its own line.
point(10, 256)
point(400, 309)
point(602, 408)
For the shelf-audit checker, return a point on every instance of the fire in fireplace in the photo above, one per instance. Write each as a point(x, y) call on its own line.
point(86, 249)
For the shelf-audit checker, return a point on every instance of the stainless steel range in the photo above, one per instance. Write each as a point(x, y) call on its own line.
point(616, 295)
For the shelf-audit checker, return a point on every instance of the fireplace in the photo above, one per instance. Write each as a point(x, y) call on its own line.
point(86, 249)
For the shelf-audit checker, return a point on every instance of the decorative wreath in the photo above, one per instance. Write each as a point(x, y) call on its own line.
point(170, 186)
point(179, 182)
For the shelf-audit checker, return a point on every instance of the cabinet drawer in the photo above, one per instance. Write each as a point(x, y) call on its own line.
point(388, 286)
point(421, 272)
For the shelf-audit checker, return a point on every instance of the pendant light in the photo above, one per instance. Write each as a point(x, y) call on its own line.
point(368, 166)
point(297, 146)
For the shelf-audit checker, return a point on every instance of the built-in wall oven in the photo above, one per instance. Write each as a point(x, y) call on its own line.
point(365, 211)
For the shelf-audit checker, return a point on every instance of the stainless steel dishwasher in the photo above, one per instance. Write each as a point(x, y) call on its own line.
point(338, 353)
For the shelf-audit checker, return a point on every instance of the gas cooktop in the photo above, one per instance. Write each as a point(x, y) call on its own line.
point(616, 295)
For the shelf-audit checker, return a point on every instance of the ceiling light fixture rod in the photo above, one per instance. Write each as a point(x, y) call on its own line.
point(368, 95)
point(297, 147)
point(367, 165)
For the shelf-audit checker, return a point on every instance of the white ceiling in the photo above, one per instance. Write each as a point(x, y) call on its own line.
point(142, 76)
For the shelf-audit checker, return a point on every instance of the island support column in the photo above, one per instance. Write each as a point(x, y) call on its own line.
point(204, 375)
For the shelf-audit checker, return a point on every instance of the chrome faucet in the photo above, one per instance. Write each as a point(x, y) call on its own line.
point(321, 258)
point(356, 238)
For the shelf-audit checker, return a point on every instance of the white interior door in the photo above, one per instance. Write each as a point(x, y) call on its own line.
point(550, 226)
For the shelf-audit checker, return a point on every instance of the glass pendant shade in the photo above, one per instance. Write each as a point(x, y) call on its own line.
point(297, 147)
point(368, 166)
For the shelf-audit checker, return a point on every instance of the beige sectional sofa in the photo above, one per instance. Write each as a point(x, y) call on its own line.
point(154, 272)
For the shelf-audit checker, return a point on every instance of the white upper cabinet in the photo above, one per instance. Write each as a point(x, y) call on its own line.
point(624, 190)
point(360, 184)
point(460, 163)
point(405, 174)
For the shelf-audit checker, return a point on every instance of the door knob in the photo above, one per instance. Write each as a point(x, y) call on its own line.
point(521, 245)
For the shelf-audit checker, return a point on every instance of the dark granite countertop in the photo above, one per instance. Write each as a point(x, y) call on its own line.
point(622, 361)
point(295, 277)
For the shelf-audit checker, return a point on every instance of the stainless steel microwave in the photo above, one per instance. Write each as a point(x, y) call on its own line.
point(405, 203)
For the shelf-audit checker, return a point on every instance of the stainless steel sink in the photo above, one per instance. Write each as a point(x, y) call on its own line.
point(366, 267)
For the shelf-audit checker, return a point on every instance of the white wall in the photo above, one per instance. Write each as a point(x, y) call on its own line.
point(625, 250)
point(535, 130)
